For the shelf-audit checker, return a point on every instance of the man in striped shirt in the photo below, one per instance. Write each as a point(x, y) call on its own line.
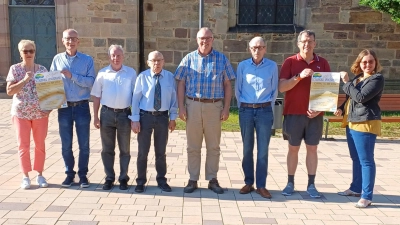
point(205, 86)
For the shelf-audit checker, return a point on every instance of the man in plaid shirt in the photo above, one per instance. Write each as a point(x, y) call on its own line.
point(205, 86)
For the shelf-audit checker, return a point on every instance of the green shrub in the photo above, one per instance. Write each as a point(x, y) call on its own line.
point(391, 7)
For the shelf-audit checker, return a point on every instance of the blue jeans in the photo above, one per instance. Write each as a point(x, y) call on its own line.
point(261, 120)
point(115, 125)
point(79, 114)
point(361, 146)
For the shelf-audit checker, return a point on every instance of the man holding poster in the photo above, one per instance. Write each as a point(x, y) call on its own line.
point(299, 121)
point(78, 77)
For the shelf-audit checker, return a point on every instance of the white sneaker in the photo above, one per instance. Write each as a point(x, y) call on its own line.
point(41, 181)
point(26, 183)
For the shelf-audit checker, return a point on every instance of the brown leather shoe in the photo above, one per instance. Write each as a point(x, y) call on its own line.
point(246, 189)
point(263, 192)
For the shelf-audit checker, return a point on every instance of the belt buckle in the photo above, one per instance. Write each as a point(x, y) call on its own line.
point(154, 113)
point(115, 110)
point(254, 106)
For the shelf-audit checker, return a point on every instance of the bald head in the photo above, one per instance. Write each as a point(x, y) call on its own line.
point(257, 49)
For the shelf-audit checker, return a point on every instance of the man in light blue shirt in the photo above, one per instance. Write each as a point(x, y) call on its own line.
point(154, 108)
point(78, 77)
point(256, 89)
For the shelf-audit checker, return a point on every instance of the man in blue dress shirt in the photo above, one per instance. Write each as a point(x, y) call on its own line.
point(256, 89)
point(154, 108)
point(78, 78)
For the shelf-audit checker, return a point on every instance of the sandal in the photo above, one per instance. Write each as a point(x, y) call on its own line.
point(363, 203)
point(349, 192)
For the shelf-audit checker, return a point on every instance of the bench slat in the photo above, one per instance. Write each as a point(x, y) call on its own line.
point(385, 119)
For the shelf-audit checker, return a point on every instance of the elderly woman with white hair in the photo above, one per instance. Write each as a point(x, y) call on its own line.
point(26, 113)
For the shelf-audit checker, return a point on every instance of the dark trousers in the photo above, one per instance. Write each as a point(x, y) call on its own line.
point(159, 124)
point(115, 125)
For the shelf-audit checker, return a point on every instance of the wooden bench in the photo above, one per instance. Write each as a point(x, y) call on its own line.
point(389, 102)
point(327, 119)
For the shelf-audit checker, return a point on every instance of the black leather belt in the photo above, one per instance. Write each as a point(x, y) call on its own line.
point(256, 105)
point(155, 113)
point(73, 104)
point(117, 110)
point(205, 100)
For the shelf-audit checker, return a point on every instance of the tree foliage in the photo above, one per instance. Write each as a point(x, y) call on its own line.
point(391, 7)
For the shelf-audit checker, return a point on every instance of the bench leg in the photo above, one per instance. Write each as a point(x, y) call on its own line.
point(326, 129)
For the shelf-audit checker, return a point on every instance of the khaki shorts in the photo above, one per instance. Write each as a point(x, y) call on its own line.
point(298, 127)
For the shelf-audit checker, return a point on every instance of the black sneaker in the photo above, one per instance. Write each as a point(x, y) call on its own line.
point(108, 185)
point(214, 186)
point(165, 187)
point(84, 182)
point(123, 184)
point(139, 188)
point(68, 182)
point(190, 187)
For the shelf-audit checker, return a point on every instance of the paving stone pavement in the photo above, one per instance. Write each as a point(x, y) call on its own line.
point(93, 206)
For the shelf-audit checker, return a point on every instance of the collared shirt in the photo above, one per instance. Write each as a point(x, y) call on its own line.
point(296, 99)
point(256, 83)
point(143, 94)
point(83, 75)
point(115, 88)
point(205, 75)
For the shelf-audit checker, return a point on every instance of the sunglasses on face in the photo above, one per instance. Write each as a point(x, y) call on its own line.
point(32, 51)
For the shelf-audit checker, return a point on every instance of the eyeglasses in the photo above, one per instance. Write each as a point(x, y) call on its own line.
point(257, 48)
point(72, 39)
point(369, 62)
point(205, 38)
point(32, 51)
point(156, 60)
point(308, 42)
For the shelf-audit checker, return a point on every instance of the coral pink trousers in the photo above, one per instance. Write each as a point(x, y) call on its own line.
point(39, 129)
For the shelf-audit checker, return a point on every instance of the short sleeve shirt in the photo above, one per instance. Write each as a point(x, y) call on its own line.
point(25, 103)
point(297, 99)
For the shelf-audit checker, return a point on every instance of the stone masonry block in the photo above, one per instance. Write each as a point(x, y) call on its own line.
point(336, 2)
point(349, 44)
point(372, 44)
point(181, 33)
point(112, 7)
point(168, 56)
point(362, 36)
point(161, 32)
point(380, 28)
point(97, 42)
point(172, 44)
point(281, 47)
point(95, 6)
point(131, 45)
point(394, 44)
point(347, 27)
point(340, 35)
point(116, 41)
point(389, 37)
point(365, 17)
point(321, 18)
point(329, 43)
point(177, 57)
point(234, 46)
point(112, 20)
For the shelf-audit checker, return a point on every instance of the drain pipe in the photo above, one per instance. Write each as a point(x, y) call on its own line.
point(142, 65)
point(201, 13)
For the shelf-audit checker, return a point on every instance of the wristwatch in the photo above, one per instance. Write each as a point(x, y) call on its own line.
point(297, 77)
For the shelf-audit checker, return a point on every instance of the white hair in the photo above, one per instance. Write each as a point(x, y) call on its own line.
point(116, 47)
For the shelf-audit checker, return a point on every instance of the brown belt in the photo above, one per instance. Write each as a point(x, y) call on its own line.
point(205, 100)
point(254, 106)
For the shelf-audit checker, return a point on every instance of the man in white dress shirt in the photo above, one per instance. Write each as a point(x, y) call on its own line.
point(113, 89)
point(154, 108)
